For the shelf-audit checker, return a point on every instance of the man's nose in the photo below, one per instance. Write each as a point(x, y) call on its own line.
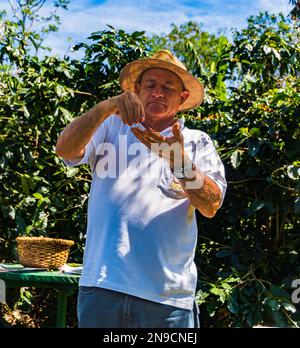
point(157, 91)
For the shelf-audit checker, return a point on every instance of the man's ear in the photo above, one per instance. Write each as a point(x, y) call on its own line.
point(183, 96)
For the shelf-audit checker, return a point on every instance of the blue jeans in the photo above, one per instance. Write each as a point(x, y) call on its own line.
point(103, 308)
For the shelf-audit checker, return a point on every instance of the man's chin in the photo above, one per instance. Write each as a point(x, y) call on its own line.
point(157, 111)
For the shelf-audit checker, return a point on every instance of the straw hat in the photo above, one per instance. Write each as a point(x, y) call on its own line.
point(166, 60)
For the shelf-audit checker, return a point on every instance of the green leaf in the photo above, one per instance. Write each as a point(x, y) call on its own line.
point(67, 115)
point(218, 292)
point(297, 205)
point(256, 206)
point(211, 308)
point(71, 171)
point(27, 184)
point(236, 159)
point(224, 253)
point(253, 146)
point(137, 34)
point(270, 206)
point(278, 292)
point(8, 212)
point(201, 296)
point(71, 91)
point(276, 53)
point(253, 169)
point(38, 195)
point(20, 223)
point(60, 91)
point(255, 132)
point(26, 112)
point(68, 74)
point(250, 78)
point(233, 305)
point(107, 85)
point(232, 280)
point(226, 286)
point(289, 307)
point(213, 67)
point(40, 202)
point(274, 304)
point(267, 49)
point(293, 172)
point(12, 213)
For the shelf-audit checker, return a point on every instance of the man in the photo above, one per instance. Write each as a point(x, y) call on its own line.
point(138, 268)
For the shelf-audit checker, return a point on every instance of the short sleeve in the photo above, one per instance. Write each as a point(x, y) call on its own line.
point(89, 153)
point(92, 146)
point(209, 162)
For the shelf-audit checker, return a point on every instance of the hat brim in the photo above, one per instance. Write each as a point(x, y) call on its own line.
point(132, 71)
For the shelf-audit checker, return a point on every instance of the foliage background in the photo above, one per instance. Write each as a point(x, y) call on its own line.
point(248, 254)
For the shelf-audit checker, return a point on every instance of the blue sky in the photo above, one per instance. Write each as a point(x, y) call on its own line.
point(153, 16)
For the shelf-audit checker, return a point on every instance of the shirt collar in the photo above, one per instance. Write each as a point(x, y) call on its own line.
point(168, 130)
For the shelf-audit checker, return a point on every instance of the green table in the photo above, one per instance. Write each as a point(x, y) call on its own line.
point(66, 284)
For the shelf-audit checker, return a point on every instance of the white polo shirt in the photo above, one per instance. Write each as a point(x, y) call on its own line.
point(142, 230)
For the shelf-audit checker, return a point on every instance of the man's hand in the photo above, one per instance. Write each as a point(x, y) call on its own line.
point(129, 107)
point(169, 148)
point(203, 193)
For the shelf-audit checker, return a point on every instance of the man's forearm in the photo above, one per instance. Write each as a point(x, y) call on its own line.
point(203, 193)
point(76, 135)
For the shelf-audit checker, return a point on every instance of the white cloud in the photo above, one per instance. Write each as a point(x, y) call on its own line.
point(274, 6)
point(156, 16)
point(85, 16)
point(130, 15)
point(4, 5)
point(58, 43)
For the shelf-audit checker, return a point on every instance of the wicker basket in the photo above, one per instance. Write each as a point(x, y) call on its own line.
point(43, 252)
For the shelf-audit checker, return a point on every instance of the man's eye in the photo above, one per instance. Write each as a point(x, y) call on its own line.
point(168, 88)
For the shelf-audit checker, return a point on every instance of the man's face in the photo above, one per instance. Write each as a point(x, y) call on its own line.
point(161, 93)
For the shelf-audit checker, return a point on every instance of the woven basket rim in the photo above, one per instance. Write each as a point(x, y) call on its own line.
point(48, 240)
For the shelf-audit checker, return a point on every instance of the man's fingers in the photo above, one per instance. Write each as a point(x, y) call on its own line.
point(122, 112)
point(136, 131)
point(177, 132)
point(162, 139)
point(140, 132)
point(138, 110)
point(142, 112)
point(129, 107)
point(151, 136)
point(155, 135)
point(140, 137)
